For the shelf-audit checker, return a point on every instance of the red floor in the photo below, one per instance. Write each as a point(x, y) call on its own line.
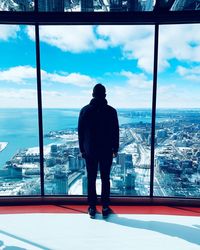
point(165, 210)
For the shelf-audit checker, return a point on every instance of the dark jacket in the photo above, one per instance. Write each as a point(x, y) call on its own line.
point(98, 129)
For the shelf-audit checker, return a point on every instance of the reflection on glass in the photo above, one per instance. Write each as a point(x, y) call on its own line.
point(71, 66)
point(177, 155)
point(180, 5)
point(16, 5)
point(95, 5)
point(19, 152)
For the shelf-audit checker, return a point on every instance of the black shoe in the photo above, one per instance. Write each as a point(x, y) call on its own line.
point(106, 211)
point(92, 212)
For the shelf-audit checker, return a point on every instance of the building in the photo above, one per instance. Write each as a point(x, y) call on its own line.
point(130, 183)
point(72, 163)
point(115, 5)
point(14, 171)
point(149, 5)
point(61, 182)
point(121, 159)
point(51, 5)
point(87, 5)
point(134, 5)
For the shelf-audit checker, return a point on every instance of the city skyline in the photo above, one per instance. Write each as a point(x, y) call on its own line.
point(121, 57)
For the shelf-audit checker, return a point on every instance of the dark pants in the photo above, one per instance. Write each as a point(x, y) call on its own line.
point(104, 164)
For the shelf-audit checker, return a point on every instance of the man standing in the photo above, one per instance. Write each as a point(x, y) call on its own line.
point(98, 131)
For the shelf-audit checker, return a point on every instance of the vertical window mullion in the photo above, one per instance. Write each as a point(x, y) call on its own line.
point(153, 122)
point(39, 96)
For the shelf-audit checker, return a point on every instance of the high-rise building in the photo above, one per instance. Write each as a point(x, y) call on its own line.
point(130, 183)
point(87, 6)
point(51, 5)
point(72, 163)
point(121, 159)
point(61, 182)
point(149, 5)
point(80, 162)
point(115, 5)
point(134, 5)
point(54, 149)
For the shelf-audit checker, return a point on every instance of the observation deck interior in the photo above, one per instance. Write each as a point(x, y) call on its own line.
point(165, 213)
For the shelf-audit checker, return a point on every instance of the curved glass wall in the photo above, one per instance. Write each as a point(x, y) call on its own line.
point(177, 153)
point(73, 60)
point(19, 151)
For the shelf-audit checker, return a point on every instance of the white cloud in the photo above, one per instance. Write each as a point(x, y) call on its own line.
point(181, 42)
point(21, 74)
point(18, 98)
point(192, 74)
point(137, 80)
point(74, 39)
point(27, 98)
point(129, 97)
point(64, 99)
point(8, 31)
point(136, 42)
point(173, 96)
point(18, 74)
point(76, 79)
point(135, 91)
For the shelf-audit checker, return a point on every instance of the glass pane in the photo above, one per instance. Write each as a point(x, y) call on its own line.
point(16, 5)
point(73, 60)
point(95, 5)
point(177, 161)
point(19, 152)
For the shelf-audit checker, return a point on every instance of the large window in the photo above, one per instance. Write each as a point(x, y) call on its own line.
point(73, 60)
point(19, 151)
point(177, 161)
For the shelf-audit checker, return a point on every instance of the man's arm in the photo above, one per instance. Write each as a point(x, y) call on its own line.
point(115, 134)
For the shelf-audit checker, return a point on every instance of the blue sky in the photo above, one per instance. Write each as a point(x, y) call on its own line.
point(75, 58)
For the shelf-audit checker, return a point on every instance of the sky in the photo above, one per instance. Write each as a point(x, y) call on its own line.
point(75, 58)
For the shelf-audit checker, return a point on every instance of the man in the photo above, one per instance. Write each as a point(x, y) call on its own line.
point(98, 131)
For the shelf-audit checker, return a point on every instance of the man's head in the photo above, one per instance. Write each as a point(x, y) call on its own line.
point(99, 91)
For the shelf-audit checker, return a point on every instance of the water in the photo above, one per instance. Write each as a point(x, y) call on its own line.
point(19, 127)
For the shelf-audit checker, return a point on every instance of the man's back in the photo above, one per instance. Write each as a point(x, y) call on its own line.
point(98, 128)
point(98, 132)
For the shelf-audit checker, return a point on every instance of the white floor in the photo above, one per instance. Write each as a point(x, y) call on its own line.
point(119, 232)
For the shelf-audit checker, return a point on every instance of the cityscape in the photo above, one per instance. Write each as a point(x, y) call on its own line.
point(177, 160)
point(96, 5)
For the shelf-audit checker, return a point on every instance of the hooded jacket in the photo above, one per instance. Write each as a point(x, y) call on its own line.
point(98, 129)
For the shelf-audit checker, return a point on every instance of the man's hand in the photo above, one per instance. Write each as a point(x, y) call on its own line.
point(82, 155)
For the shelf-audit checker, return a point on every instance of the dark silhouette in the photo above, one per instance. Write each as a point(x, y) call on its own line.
point(98, 131)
